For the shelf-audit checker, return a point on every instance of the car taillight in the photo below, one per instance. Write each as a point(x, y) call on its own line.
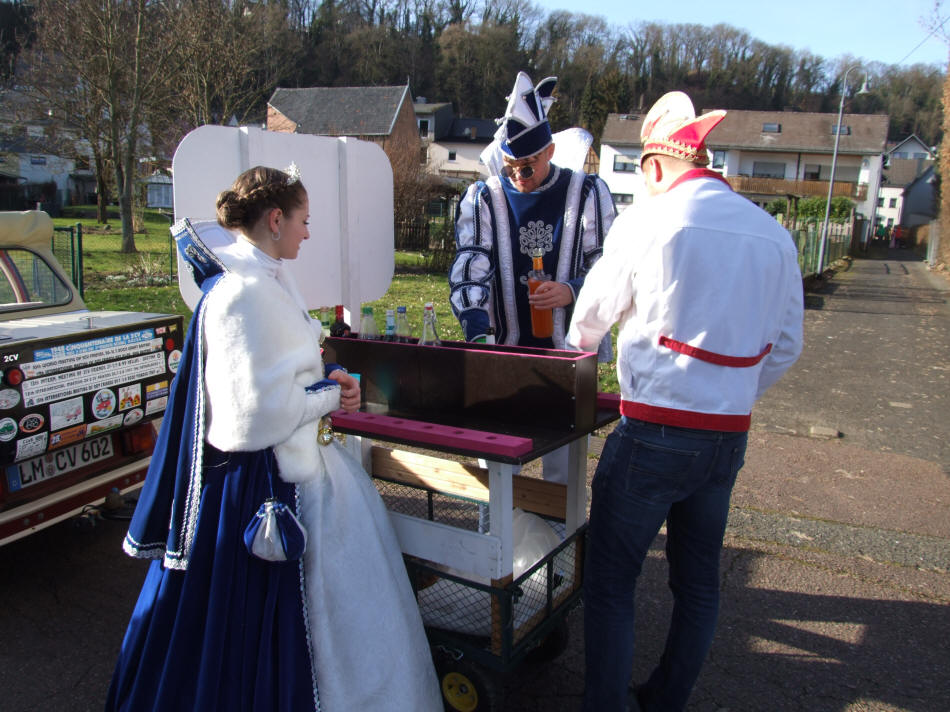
point(13, 376)
point(139, 440)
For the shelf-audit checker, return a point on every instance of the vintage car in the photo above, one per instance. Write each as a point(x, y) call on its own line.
point(79, 390)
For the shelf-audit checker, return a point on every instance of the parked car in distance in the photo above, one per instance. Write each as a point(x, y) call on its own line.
point(79, 390)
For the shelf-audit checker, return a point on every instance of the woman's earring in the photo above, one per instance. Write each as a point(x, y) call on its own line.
point(275, 236)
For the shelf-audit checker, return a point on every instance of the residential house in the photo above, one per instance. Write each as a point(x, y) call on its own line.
point(383, 115)
point(433, 119)
point(910, 148)
point(908, 171)
point(36, 150)
point(919, 199)
point(452, 145)
point(766, 155)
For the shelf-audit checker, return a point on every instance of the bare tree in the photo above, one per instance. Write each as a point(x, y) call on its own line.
point(413, 188)
point(232, 55)
point(106, 65)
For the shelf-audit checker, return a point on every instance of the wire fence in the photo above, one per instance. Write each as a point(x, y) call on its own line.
point(66, 245)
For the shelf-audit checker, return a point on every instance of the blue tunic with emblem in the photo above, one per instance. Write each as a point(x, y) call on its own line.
point(497, 226)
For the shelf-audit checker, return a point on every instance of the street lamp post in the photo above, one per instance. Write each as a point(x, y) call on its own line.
point(834, 162)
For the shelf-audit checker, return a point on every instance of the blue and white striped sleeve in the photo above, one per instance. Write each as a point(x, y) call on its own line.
point(473, 268)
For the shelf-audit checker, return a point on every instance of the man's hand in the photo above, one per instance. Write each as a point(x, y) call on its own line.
point(549, 295)
point(349, 390)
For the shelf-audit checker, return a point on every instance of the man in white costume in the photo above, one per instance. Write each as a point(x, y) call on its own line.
point(529, 204)
point(707, 292)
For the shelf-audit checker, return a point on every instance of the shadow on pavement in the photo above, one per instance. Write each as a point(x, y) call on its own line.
point(778, 648)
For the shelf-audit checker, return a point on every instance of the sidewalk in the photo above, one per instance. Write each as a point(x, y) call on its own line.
point(836, 591)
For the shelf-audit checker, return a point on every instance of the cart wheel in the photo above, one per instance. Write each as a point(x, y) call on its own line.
point(465, 687)
point(552, 646)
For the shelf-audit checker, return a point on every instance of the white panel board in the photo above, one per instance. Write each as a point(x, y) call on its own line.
point(477, 555)
point(350, 187)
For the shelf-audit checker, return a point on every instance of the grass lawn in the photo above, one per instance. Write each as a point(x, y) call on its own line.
point(101, 243)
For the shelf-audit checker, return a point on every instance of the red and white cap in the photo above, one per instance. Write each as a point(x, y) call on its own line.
point(672, 128)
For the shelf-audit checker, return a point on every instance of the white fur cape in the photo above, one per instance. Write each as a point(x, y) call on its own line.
point(262, 351)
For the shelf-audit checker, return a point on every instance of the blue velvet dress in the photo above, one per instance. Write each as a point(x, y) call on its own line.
point(229, 631)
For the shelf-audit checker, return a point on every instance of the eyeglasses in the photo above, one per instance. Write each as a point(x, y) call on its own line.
point(524, 172)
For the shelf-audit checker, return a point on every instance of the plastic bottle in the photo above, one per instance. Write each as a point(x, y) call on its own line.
point(368, 328)
point(430, 336)
point(390, 332)
point(403, 330)
point(542, 320)
point(339, 327)
point(325, 322)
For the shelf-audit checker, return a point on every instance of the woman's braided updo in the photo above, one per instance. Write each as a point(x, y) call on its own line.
point(256, 191)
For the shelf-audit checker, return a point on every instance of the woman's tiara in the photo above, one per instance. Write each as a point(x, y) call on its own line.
point(293, 173)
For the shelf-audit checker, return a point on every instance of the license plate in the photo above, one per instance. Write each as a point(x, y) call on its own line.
point(59, 462)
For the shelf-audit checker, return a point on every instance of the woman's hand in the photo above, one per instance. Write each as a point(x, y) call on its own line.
point(349, 390)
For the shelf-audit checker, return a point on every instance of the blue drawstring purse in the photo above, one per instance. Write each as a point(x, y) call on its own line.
point(275, 533)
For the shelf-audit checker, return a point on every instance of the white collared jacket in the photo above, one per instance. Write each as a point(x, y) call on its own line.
point(707, 292)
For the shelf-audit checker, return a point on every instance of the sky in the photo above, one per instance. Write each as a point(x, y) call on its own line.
point(870, 30)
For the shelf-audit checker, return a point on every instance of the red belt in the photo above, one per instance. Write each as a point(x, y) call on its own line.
point(686, 418)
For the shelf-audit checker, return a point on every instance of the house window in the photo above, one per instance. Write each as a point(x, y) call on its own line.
point(424, 128)
point(845, 130)
point(892, 203)
point(847, 174)
point(622, 198)
point(920, 155)
point(451, 155)
point(890, 222)
point(880, 202)
point(625, 164)
point(812, 172)
point(719, 159)
point(34, 131)
point(762, 169)
point(771, 128)
point(38, 160)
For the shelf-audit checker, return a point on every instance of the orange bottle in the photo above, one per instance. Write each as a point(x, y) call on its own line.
point(542, 320)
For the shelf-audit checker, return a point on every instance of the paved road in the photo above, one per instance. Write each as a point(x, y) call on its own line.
point(836, 591)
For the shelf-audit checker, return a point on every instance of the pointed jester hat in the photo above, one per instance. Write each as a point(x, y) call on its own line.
point(672, 128)
point(524, 129)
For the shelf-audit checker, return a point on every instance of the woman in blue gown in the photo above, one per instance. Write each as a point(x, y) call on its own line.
point(216, 627)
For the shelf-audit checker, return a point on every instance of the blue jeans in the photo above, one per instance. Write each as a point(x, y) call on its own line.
point(649, 473)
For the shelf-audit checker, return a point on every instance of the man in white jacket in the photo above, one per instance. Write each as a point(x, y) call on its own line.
point(707, 292)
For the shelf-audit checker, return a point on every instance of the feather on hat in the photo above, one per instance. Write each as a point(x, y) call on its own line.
point(672, 128)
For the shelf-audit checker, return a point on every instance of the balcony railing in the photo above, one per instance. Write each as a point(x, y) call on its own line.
point(801, 188)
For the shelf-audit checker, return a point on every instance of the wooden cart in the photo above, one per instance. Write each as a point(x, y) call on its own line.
point(491, 409)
